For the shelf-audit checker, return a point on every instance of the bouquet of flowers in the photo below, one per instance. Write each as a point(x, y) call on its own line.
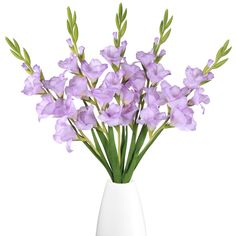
point(117, 109)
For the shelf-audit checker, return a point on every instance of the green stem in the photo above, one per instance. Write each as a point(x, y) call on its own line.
point(128, 175)
point(119, 144)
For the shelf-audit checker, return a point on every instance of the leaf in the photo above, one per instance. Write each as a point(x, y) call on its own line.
point(97, 144)
point(27, 57)
point(225, 45)
point(226, 52)
point(124, 141)
point(74, 19)
point(113, 156)
point(124, 15)
point(103, 140)
point(141, 139)
point(69, 27)
point(115, 67)
point(219, 64)
point(120, 11)
point(116, 43)
point(117, 22)
point(69, 14)
point(9, 42)
point(17, 55)
point(17, 45)
point(169, 22)
point(123, 29)
point(76, 33)
point(131, 148)
point(166, 36)
point(165, 16)
point(161, 28)
point(218, 55)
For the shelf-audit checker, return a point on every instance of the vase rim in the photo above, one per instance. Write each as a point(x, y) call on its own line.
point(110, 182)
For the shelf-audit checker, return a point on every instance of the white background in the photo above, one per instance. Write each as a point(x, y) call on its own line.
point(187, 181)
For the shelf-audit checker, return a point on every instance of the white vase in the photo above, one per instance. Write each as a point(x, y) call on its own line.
point(121, 211)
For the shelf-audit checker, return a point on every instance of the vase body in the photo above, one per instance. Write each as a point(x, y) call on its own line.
point(121, 211)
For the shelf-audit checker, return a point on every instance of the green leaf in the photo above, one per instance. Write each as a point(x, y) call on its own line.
point(27, 57)
point(17, 55)
point(132, 147)
point(74, 19)
point(117, 22)
point(69, 14)
point(226, 52)
point(97, 144)
point(166, 36)
point(124, 141)
point(161, 28)
point(120, 11)
point(76, 33)
point(115, 67)
point(141, 139)
point(10, 43)
point(219, 64)
point(124, 15)
point(219, 54)
point(17, 45)
point(123, 29)
point(225, 45)
point(169, 22)
point(113, 156)
point(165, 17)
point(69, 27)
point(103, 140)
point(134, 163)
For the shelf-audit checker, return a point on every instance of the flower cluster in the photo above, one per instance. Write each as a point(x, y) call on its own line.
point(102, 94)
point(133, 93)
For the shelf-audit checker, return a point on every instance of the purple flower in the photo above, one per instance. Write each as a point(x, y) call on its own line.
point(195, 76)
point(70, 64)
point(128, 96)
point(64, 133)
point(127, 114)
point(151, 117)
point(85, 118)
point(210, 62)
point(112, 115)
point(172, 93)
point(129, 70)
point(78, 88)
point(162, 53)
point(145, 58)
point(115, 35)
point(69, 42)
point(33, 85)
point(154, 98)
point(181, 115)
point(56, 84)
point(81, 50)
point(94, 69)
point(137, 81)
point(103, 95)
point(113, 54)
point(156, 72)
point(156, 40)
point(112, 81)
point(24, 66)
point(199, 97)
point(46, 107)
point(64, 107)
